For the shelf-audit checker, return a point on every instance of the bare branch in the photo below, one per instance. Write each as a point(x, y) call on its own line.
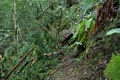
point(18, 63)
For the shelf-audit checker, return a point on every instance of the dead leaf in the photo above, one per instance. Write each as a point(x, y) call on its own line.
point(33, 61)
point(0, 56)
point(52, 72)
point(48, 55)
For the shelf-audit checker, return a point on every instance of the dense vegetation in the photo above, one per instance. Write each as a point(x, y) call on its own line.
point(54, 28)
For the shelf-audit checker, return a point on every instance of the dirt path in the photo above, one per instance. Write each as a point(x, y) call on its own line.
point(68, 70)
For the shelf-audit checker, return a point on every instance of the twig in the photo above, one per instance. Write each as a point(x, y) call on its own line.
point(41, 7)
point(18, 63)
point(59, 24)
point(55, 41)
point(45, 29)
point(47, 8)
point(24, 65)
point(26, 26)
point(15, 27)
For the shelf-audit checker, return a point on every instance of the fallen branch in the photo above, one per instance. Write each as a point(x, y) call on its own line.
point(47, 8)
point(24, 64)
point(18, 63)
point(65, 41)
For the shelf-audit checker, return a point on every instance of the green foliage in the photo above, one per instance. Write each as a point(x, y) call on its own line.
point(113, 31)
point(86, 5)
point(82, 28)
point(113, 68)
point(39, 23)
point(87, 22)
point(40, 69)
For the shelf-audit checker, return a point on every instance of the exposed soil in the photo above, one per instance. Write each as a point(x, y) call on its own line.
point(68, 70)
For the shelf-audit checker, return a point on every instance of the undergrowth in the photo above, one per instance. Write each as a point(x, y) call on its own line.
point(112, 70)
point(39, 24)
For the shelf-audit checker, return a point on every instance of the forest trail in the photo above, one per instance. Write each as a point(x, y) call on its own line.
point(68, 70)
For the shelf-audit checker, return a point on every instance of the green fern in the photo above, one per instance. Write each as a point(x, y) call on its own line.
point(113, 68)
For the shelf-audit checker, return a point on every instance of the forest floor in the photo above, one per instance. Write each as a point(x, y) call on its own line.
point(91, 62)
point(68, 69)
